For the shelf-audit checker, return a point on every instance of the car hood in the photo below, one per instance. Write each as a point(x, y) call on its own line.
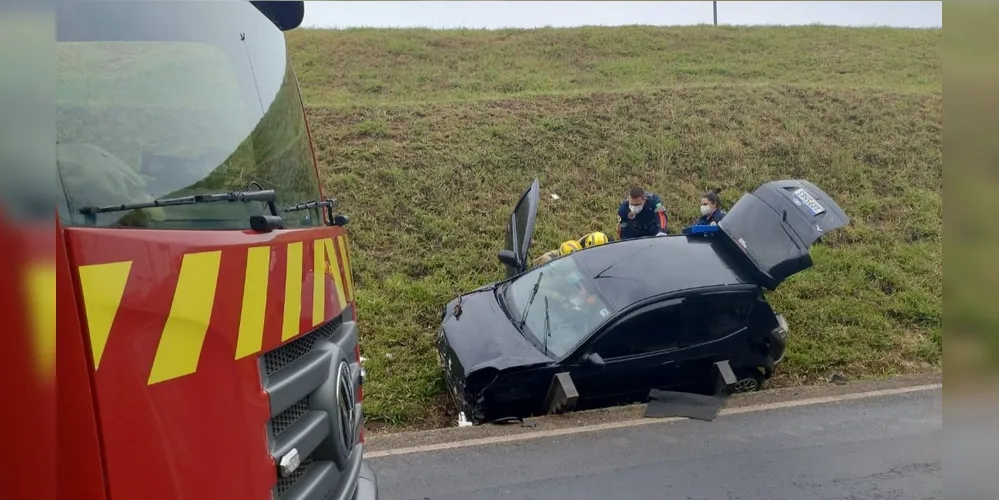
point(482, 336)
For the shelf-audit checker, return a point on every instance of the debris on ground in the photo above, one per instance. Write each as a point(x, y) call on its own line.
point(665, 404)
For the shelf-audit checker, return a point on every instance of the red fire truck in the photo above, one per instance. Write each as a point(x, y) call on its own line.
point(207, 334)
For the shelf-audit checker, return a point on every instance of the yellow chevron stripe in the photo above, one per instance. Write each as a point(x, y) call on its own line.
point(292, 292)
point(334, 270)
point(318, 282)
point(251, 315)
point(342, 239)
point(102, 286)
point(41, 291)
point(184, 333)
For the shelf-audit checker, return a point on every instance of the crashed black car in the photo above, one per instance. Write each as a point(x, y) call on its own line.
point(610, 322)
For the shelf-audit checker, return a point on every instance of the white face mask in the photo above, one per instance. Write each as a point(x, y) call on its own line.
point(705, 209)
point(636, 208)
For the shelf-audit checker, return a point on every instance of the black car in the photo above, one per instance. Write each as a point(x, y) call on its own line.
point(611, 322)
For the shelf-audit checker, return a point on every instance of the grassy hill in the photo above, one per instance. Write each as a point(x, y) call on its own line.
point(429, 137)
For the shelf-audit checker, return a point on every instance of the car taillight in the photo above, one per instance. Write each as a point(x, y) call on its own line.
point(782, 323)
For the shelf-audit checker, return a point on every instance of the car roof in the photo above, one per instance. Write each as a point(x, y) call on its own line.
point(633, 270)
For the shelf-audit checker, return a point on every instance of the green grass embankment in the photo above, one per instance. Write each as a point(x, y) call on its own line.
point(429, 137)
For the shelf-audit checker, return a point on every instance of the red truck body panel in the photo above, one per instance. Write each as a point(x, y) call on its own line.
point(27, 290)
point(175, 320)
point(167, 337)
point(81, 466)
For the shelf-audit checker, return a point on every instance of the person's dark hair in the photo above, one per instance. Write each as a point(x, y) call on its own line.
point(637, 192)
point(712, 196)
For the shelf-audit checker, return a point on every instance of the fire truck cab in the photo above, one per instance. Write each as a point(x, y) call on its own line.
point(207, 343)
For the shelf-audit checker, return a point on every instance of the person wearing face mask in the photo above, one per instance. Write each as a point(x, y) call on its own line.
point(711, 212)
point(641, 214)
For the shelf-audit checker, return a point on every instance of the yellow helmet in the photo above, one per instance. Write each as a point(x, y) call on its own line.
point(593, 239)
point(568, 247)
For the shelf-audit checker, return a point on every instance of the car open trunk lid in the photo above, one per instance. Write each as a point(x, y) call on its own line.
point(775, 226)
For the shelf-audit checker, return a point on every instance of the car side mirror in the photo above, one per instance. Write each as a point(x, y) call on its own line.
point(594, 360)
point(509, 258)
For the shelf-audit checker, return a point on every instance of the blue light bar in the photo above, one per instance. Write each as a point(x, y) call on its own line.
point(700, 229)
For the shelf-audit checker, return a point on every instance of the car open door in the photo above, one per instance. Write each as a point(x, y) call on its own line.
point(520, 231)
point(775, 226)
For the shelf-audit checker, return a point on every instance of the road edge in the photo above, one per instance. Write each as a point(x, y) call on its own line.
point(399, 443)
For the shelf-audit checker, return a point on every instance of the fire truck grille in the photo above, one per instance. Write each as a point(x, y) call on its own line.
point(313, 409)
point(330, 495)
point(288, 417)
point(285, 483)
point(285, 355)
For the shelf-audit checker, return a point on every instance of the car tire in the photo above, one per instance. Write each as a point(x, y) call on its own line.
point(748, 380)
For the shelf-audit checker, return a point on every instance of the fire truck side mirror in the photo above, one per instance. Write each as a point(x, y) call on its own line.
point(331, 219)
point(265, 223)
point(339, 220)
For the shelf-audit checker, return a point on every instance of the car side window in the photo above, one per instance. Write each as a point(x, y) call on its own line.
point(715, 316)
point(657, 330)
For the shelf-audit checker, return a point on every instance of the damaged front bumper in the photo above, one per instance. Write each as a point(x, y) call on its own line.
point(455, 385)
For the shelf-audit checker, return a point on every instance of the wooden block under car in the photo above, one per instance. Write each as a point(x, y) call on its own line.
point(562, 394)
point(725, 380)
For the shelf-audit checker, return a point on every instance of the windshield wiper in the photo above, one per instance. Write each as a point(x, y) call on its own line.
point(327, 204)
point(530, 300)
point(548, 326)
point(266, 196)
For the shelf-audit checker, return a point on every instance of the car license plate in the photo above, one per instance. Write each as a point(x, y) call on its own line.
point(809, 202)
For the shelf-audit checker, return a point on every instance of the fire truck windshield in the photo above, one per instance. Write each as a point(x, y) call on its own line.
point(161, 100)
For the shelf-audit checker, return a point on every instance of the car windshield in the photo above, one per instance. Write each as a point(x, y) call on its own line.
point(168, 99)
point(574, 307)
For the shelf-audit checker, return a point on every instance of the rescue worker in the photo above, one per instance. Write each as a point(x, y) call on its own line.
point(641, 214)
point(711, 211)
point(564, 249)
point(593, 239)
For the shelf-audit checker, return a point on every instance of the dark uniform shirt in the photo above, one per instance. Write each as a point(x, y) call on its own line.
point(712, 218)
point(650, 221)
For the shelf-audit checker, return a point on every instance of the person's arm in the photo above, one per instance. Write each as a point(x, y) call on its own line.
point(662, 220)
point(622, 217)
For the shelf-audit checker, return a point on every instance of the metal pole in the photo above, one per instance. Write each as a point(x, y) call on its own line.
point(715, 6)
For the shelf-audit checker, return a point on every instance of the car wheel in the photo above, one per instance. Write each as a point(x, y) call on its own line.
point(750, 380)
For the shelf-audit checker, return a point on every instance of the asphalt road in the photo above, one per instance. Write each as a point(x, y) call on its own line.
point(878, 448)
